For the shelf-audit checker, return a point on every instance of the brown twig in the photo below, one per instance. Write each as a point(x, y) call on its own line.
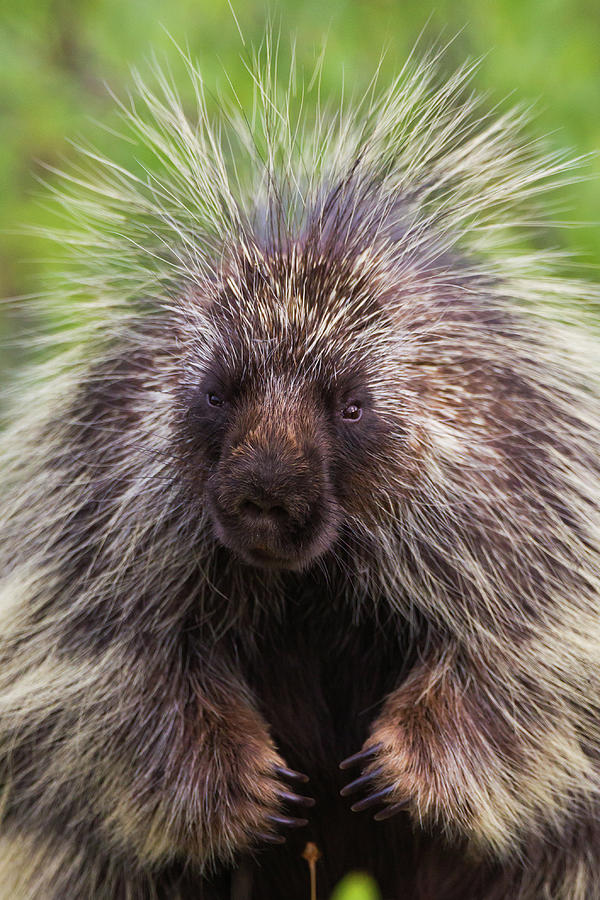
point(311, 854)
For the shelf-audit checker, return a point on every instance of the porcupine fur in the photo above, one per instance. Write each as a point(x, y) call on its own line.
point(318, 470)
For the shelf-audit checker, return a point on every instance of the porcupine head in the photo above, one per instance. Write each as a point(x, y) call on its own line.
point(322, 289)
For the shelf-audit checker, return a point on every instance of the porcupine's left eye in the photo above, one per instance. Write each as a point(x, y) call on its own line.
point(352, 412)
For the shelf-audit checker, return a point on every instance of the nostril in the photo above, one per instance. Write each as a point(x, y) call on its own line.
point(263, 510)
point(251, 509)
point(278, 512)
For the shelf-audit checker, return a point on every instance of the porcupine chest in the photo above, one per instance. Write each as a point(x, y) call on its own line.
point(320, 674)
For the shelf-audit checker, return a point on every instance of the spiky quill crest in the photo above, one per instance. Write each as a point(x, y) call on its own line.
point(417, 200)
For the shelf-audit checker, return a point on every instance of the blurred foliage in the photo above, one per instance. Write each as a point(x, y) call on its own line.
point(357, 887)
point(59, 60)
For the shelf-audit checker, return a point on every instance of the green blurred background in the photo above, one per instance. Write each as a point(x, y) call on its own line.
point(59, 57)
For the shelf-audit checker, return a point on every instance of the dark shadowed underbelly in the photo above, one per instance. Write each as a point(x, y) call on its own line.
point(320, 677)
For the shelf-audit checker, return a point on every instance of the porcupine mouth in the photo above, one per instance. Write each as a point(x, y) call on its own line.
point(266, 553)
point(263, 557)
point(260, 556)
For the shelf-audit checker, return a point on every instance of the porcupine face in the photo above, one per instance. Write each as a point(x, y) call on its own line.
point(284, 413)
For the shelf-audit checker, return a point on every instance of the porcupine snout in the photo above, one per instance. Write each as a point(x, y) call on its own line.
point(272, 497)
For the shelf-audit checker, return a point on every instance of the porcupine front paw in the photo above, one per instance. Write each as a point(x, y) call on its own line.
point(245, 795)
point(426, 755)
point(255, 803)
point(228, 793)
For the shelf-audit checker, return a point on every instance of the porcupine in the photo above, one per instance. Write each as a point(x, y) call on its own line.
point(317, 478)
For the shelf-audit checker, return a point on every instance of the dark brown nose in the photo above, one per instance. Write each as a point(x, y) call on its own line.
point(272, 504)
point(272, 495)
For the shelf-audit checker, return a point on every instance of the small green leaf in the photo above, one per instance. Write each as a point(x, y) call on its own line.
point(356, 886)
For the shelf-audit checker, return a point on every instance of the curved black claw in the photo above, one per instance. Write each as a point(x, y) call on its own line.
point(367, 781)
point(372, 800)
point(283, 772)
point(285, 795)
point(389, 811)
point(360, 757)
point(271, 838)
point(299, 799)
point(288, 821)
point(361, 782)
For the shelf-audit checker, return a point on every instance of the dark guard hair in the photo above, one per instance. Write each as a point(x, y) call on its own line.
point(317, 476)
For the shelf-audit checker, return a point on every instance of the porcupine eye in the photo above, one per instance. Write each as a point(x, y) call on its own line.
point(352, 412)
point(214, 399)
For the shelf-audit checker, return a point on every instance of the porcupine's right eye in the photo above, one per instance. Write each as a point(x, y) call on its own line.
point(214, 399)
